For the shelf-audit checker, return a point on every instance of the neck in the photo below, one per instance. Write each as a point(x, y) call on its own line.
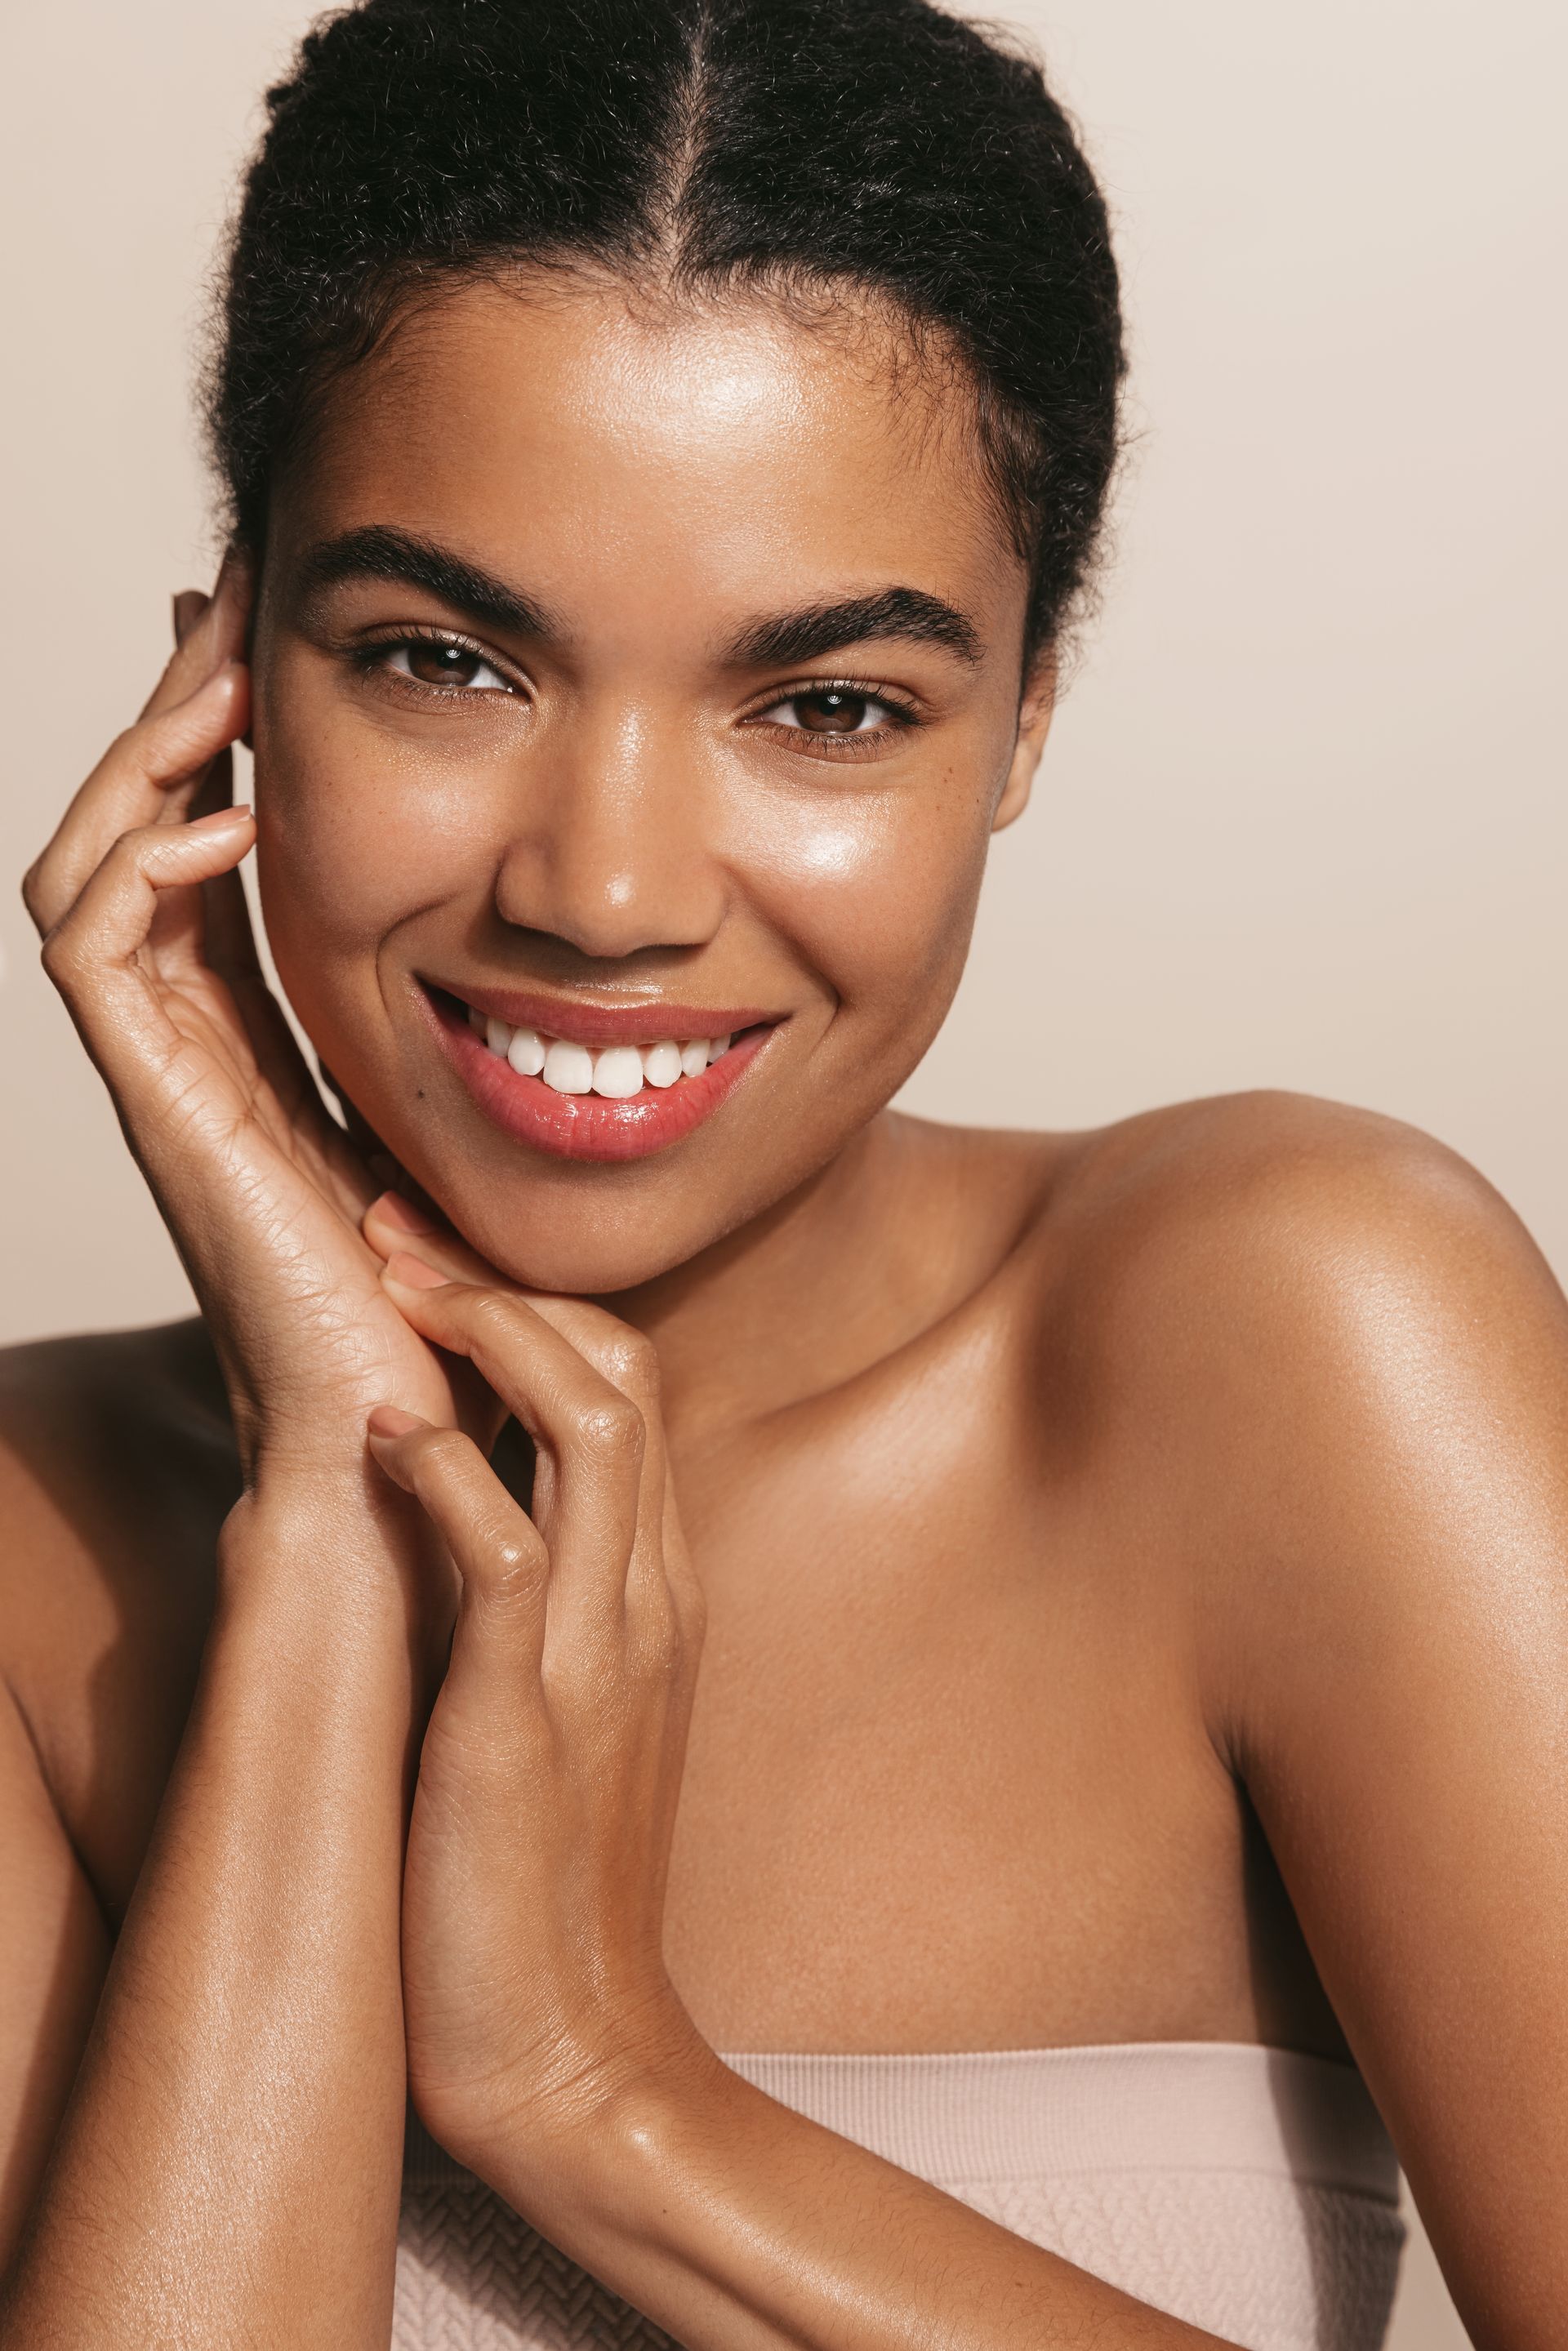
point(819, 1287)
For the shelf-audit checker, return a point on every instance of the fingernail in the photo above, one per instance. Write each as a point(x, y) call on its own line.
point(188, 606)
point(233, 574)
point(391, 1420)
point(219, 817)
point(413, 1272)
point(391, 1208)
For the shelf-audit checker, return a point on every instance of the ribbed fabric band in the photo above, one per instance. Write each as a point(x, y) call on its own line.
point(1034, 2114)
point(1175, 2105)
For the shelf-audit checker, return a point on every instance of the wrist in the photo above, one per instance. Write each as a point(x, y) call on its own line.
point(339, 1543)
point(601, 2146)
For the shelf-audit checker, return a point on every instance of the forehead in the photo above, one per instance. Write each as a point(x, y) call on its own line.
point(730, 446)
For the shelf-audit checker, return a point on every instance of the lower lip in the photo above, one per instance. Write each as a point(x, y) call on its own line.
point(588, 1126)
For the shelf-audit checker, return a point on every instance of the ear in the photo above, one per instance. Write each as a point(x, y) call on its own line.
point(251, 558)
point(1035, 714)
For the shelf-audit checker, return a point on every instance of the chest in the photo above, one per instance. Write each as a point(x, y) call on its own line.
point(946, 1785)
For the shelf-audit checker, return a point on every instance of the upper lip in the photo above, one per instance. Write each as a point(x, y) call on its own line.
point(579, 1023)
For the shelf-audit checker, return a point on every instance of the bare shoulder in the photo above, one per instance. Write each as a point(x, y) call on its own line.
point(101, 1436)
point(1332, 1364)
point(117, 1468)
point(1213, 1224)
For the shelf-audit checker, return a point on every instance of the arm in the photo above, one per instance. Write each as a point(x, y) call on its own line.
point(547, 2048)
point(1386, 1643)
point(742, 2226)
point(226, 2168)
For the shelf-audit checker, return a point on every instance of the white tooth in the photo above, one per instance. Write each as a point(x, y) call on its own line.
point(693, 1057)
point(662, 1063)
point(527, 1052)
point(497, 1036)
point(475, 1018)
point(569, 1068)
point(720, 1045)
point(618, 1071)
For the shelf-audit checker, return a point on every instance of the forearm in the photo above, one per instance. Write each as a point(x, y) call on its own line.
point(226, 2172)
point(739, 2225)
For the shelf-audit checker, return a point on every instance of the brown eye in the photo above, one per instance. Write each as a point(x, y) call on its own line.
point(838, 713)
point(833, 711)
point(443, 665)
point(436, 661)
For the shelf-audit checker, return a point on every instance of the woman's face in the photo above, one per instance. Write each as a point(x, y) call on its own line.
point(629, 680)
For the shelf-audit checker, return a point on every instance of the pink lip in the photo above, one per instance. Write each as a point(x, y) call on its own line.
point(589, 1126)
point(621, 1024)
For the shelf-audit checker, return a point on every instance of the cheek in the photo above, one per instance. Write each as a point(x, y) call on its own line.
point(356, 835)
point(347, 854)
point(879, 893)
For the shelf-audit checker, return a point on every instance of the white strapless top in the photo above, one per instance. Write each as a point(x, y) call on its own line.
point(1247, 2190)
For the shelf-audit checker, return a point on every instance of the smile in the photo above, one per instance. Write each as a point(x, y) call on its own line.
point(578, 1081)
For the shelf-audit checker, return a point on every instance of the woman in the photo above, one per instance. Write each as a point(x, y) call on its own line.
point(1123, 1778)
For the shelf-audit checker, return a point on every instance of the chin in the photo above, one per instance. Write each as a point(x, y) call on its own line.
point(590, 1233)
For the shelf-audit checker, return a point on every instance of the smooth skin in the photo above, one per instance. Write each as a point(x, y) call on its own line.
point(1118, 1591)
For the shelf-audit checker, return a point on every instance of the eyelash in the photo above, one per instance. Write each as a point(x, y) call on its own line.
point(370, 660)
point(901, 715)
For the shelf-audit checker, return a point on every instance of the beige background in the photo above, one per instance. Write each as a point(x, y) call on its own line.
point(1303, 821)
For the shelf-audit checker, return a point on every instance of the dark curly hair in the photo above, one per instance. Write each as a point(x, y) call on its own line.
point(803, 147)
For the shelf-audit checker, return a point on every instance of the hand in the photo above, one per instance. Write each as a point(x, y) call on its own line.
point(146, 937)
point(534, 1980)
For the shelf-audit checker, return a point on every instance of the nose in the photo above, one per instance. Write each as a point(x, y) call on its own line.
point(612, 845)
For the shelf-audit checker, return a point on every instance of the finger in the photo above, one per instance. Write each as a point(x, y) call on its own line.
point(208, 631)
point(665, 1605)
point(393, 1221)
point(589, 1436)
point(188, 608)
point(128, 786)
point(620, 1355)
point(228, 935)
point(663, 1592)
point(499, 1553)
point(91, 954)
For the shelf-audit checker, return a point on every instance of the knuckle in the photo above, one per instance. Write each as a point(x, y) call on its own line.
point(516, 1555)
point(631, 1362)
point(611, 1430)
point(125, 853)
point(142, 841)
point(61, 957)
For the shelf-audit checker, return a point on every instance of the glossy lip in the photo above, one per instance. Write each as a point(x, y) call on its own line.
point(587, 1126)
point(606, 1024)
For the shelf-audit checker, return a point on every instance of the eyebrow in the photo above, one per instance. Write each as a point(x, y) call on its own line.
point(379, 552)
point(912, 613)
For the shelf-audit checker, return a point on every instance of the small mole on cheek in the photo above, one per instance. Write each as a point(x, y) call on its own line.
point(419, 1093)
